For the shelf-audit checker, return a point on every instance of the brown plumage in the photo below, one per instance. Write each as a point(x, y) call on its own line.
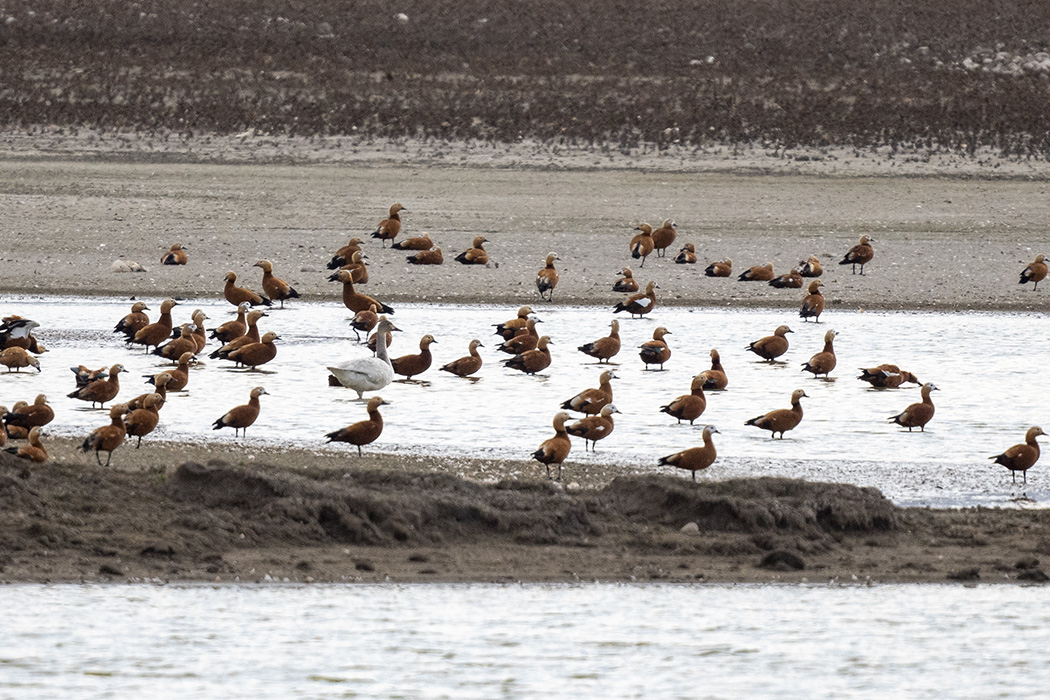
point(717, 380)
point(363, 432)
point(3, 425)
point(409, 366)
point(236, 295)
point(547, 278)
point(772, 346)
point(526, 339)
point(509, 329)
point(792, 280)
point(628, 284)
point(345, 254)
point(655, 351)
point(256, 354)
point(173, 349)
point(917, 415)
point(695, 458)
point(274, 287)
point(554, 450)
point(639, 304)
point(813, 303)
point(465, 366)
point(140, 422)
point(364, 321)
point(108, 437)
point(241, 417)
point(758, 273)
point(532, 361)
point(357, 268)
point(782, 419)
point(134, 321)
point(824, 361)
point(233, 329)
point(689, 406)
point(34, 451)
point(721, 268)
point(175, 256)
point(101, 391)
point(860, 254)
point(591, 401)
point(1035, 272)
point(476, 254)
point(642, 244)
point(86, 375)
point(1020, 458)
point(178, 378)
point(157, 332)
point(17, 332)
point(252, 336)
point(389, 227)
point(427, 257)
point(160, 388)
point(15, 358)
point(594, 428)
point(687, 255)
point(887, 376)
point(664, 237)
point(810, 267)
point(29, 415)
point(355, 301)
point(373, 341)
point(420, 242)
point(605, 348)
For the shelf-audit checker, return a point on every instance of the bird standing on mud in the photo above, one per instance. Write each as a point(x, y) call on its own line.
point(860, 254)
point(1021, 458)
point(547, 278)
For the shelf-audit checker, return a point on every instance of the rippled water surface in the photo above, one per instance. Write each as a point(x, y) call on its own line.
point(488, 641)
point(986, 365)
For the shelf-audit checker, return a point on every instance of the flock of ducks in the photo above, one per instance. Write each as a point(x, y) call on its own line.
point(242, 343)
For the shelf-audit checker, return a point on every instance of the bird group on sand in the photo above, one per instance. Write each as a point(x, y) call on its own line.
point(240, 341)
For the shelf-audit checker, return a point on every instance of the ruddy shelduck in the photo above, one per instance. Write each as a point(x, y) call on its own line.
point(917, 415)
point(554, 450)
point(109, 437)
point(782, 419)
point(694, 459)
point(363, 432)
point(637, 305)
point(860, 254)
point(1021, 458)
point(240, 418)
point(604, 349)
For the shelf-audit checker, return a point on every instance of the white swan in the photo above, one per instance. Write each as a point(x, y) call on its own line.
point(368, 373)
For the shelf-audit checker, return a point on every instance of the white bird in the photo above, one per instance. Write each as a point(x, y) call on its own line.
point(368, 373)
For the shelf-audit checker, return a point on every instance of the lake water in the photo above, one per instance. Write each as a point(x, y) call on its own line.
point(524, 641)
point(986, 366)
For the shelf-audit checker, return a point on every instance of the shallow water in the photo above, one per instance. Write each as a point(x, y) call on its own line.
point(510, 641)
point(990, 389)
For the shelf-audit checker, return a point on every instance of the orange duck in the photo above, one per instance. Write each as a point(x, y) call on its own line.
point(86, 375)
point(274, 287)
point(134, 321)
point(782, 419)
point(1035, 272)
point(547, 278)
point(721, 268)
point(639, 304)
point(345, 254)
point(160, 388)
point(813, 303)
point(29, 415)
point(758, 273)
point(860, 254)
point(178, 378)
point(810, 267)
point(663, 237)
point(687, 255)
point(421, 242)
point(532, 361)
point(15, 358)
point(1019, 458)
point(526, 339)
point(427, 257)
point(605, 348)
point(695, 458)
point(185, 342)
point(554, 450)
point(772, 346)
point(175, 256)
point(591, 401)
point(256, 354)
point(594, 428)
point(792, 280)
point(157, 332)
point(466, 366)
point(101, 391)
point(140, 422)
point(251, 336)
point(233, 329)
point(363, 432)
point(628, 284)
point(409, 366)
point(716, 376)
point(655, 351)
point(476, 254)
point(241, 417)
point(824, 361)
point(642, 244)
point(356, 301)
point(34, 451)
point(108, 437)
point(357, 267)
point(236, 295)
point(887, 376)
point(389, 227)
point(509, 329)
point(689, 406)
point(917, 415)
point(364, 321)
